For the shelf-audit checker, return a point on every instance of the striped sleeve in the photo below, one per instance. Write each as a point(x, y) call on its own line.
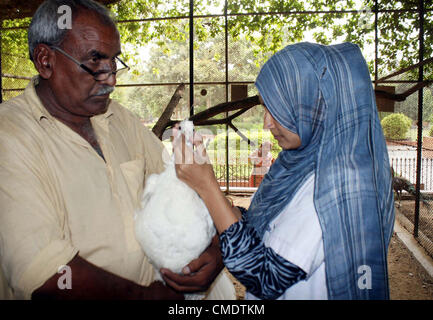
point(263, 272)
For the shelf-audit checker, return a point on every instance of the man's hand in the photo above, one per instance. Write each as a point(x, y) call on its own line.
point(199, 274)
point(93, 283)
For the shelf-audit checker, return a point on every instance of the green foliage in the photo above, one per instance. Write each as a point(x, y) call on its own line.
point(252, 38)
point(430, 118)
point(395, 126)
point(15, 57)
point(239, 149)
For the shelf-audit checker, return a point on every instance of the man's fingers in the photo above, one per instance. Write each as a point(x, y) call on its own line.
point(195, 265)
point(180, 282)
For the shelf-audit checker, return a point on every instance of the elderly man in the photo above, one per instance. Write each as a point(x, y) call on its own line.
point(72, 168)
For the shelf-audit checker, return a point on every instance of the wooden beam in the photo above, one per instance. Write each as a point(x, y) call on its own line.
point(405, 70)
point(401, 96)
point(205, 117)
point(164, 120)
point(225, 107)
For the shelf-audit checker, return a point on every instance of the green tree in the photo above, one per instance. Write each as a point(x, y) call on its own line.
point(266, 34)
point(396, 125)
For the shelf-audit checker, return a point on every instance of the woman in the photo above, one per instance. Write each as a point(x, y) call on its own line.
point(320, 223)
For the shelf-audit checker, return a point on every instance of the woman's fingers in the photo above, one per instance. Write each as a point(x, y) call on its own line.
point(198, 139)
point(200, 154)
point(185, 154)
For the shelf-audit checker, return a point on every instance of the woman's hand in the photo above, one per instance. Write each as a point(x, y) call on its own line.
point(193, 167)
point(192, 163)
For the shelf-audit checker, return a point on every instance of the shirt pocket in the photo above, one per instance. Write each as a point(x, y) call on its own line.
point(134, 173)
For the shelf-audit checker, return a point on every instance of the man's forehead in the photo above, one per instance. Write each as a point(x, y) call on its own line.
point(88, 26)
point(95, 35)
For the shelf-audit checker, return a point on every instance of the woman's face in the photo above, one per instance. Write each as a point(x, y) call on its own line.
point(286, 139)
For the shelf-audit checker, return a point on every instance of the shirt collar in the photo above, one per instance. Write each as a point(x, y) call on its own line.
point(38, 109)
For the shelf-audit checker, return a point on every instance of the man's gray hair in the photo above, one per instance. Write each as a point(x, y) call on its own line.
point(44, 27)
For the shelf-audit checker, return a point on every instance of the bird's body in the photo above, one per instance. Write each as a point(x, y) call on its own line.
point(174, 227)
point(399, 184)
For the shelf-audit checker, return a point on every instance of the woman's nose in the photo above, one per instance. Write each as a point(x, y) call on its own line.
point(268, 122)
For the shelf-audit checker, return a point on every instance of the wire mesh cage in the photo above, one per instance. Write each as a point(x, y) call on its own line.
point(16, 67)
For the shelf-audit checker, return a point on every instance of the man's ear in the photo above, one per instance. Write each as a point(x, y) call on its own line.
point(44, 60)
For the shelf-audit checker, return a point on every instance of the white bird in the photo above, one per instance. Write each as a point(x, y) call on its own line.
point(174, 226)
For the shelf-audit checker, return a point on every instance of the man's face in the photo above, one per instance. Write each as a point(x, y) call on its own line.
point(95, 45)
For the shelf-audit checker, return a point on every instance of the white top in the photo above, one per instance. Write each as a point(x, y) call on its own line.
point(295, 234)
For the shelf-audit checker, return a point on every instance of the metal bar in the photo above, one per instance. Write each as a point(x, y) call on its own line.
point(405, 81)
point(376, 42)
point(5, 75)
point(239, 133)
point(178, 83)
point(236, 82)
point(191, 57)
point(227, 91)
point(271, 13)
point(251, 14)
point(420, 109)
point(14, 28)
point(18, 89)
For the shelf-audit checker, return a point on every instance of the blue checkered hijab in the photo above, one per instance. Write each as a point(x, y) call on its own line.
point(324, 94)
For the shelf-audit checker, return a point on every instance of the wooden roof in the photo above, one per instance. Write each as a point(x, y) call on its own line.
point(18, 9)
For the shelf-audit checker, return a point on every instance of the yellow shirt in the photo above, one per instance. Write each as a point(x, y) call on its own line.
point(58, 197)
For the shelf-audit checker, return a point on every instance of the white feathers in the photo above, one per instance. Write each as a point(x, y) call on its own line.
point(187, 128)
point(174, 226)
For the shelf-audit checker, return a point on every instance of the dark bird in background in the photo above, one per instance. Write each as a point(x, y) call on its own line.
point(399, 184)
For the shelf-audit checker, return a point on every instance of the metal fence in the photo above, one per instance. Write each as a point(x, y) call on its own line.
point(406, 168)
point(239, 175)
point(416, 218)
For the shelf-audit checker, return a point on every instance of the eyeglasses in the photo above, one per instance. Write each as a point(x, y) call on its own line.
point(99, 75)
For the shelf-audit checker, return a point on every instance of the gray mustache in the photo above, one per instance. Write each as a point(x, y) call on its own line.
point(104, 90)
